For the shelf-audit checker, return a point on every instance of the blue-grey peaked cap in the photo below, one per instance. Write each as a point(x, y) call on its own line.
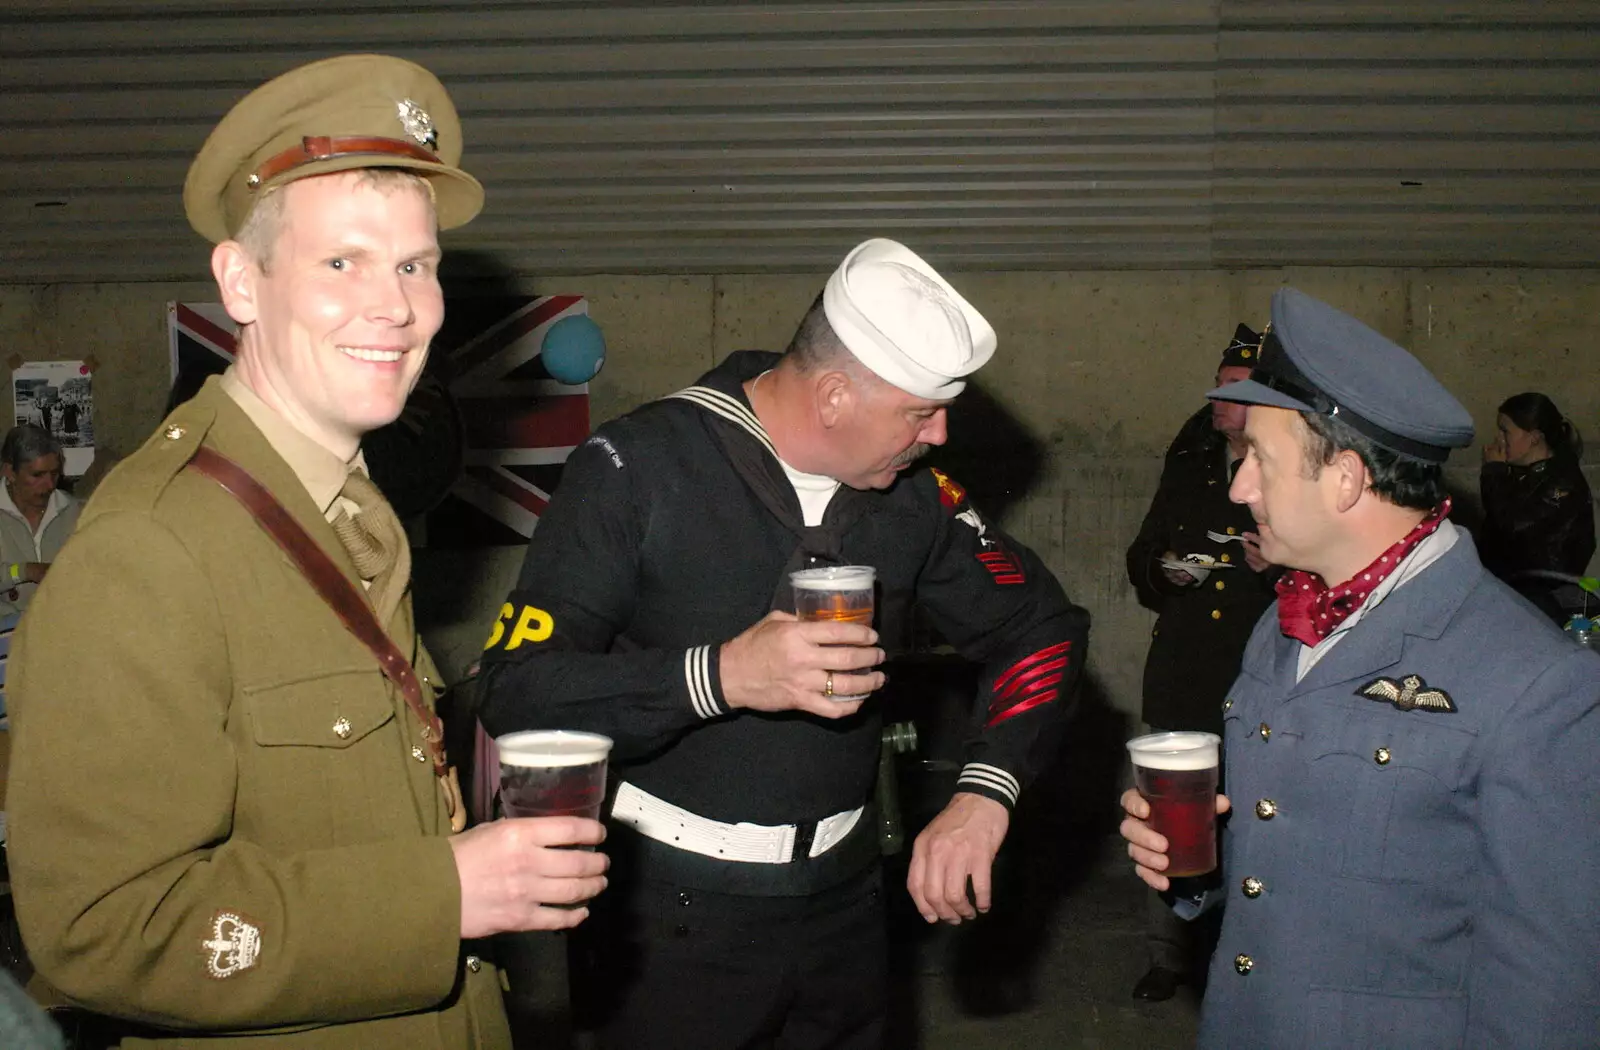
point(1318, 359)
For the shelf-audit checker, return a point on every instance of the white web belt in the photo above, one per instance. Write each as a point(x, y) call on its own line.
point(751, 843)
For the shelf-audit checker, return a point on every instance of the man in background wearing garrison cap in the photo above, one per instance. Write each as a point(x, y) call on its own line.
point(228, 826)
point(1411, 744)
point(654, 606)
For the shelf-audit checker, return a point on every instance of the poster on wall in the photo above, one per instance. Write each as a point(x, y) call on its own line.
point(474, 457)
point(58, 396)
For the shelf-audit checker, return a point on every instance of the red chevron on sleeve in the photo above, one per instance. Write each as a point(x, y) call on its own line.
point(1004, 566)
point(1031, 681)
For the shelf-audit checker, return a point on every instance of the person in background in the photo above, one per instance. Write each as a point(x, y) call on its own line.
point(36, 515)
point(1199, 638)
point(1538, 515)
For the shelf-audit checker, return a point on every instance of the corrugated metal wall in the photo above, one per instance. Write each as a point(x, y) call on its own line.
point(737, 137)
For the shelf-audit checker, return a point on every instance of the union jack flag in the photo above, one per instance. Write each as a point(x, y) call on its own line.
point(517, 424)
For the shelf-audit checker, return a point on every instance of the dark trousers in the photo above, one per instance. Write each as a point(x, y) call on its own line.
point(1179, 945)
point(665, 967)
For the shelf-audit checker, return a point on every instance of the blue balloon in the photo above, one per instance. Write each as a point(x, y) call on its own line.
point(573, 350)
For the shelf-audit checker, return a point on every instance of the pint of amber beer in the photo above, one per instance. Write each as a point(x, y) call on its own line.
point(552, 773)
point(842, 593)
point(1177, 774)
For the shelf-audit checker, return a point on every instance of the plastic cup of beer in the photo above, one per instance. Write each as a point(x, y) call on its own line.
point(841, 593)
point(1177, 774)
point(836, 593)
point(552, 773)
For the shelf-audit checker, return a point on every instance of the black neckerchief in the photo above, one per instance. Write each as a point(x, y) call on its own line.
point(720, 394)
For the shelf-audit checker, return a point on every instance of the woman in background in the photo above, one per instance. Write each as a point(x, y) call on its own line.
point(36, 516)
point(1538, 514)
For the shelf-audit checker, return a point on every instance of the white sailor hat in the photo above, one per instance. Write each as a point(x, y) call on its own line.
point(902, 320)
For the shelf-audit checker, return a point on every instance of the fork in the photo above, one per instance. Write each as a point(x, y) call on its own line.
point(1219, 537)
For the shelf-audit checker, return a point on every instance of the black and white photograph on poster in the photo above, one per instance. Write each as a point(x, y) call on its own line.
point(59, 397)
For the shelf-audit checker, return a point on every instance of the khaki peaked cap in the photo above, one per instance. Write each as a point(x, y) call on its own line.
point(339, 114)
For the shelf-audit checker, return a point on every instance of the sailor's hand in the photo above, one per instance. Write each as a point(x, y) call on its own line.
point(957, 847)
point(781, 664)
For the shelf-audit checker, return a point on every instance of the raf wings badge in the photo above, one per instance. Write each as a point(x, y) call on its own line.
point(1411, 691)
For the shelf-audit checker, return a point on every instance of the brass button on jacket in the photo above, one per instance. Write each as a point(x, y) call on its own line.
point(1243, 964)
point(1266, 731)
point(1252, 887)
point(474, 963)
point(1266, 809)
point(1381, 756)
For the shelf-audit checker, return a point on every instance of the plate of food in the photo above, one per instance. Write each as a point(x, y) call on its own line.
point(1197, 565)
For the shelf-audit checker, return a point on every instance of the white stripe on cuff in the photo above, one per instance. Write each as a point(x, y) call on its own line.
point(992, 777)
point(697, 673)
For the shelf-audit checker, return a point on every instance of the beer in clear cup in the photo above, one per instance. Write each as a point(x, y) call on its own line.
point(552, 773)
point(840, 593)
point(1177, 774)
point(836, 593)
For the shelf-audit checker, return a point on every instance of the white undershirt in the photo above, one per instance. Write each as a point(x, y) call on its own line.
point(1431, 548)
point(814, 490)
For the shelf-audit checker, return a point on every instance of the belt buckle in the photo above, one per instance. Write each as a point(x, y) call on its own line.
point(804, 835)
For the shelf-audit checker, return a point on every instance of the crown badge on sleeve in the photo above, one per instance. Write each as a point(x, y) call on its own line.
point(233, 946)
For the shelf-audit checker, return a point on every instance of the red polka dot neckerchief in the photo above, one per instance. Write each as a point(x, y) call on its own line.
point(1309, 610)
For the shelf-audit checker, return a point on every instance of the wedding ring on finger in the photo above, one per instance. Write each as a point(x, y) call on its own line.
point(827, 687)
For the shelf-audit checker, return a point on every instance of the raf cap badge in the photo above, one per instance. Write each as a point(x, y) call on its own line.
point(1410, 692)
point(418, 124)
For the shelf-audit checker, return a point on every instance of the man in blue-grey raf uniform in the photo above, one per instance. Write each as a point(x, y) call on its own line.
point(1412, 749)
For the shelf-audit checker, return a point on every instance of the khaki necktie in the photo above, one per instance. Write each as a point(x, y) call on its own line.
point(377, 545)
point(376, 542)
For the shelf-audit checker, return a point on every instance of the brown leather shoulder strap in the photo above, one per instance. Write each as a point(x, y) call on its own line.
point(334, 587)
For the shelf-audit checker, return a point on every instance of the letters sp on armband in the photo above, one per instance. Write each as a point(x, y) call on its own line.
point(518, 624)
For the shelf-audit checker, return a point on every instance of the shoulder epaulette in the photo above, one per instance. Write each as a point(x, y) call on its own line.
point(138, 482)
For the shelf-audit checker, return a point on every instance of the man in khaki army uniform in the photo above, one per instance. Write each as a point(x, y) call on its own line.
point(227, 824)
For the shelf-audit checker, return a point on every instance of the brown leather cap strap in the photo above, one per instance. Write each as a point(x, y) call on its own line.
point(323, 147)
point(334, 587)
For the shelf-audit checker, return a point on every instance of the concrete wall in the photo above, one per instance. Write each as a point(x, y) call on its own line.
point(1063, 433)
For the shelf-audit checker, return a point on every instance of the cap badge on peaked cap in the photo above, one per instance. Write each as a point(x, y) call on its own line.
point(418, 124)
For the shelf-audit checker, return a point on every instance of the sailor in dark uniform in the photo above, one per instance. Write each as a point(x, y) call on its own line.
point(1205, 615)
point(745, 906)
point(1410, 861)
